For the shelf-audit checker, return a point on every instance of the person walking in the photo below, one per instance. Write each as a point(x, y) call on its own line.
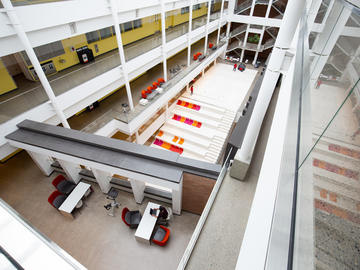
point(235, 66)
point(192, 89)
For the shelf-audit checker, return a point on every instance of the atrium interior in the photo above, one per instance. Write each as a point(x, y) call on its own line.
point(237, 122)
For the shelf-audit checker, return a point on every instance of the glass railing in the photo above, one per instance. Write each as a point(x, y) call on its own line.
point(326, 220)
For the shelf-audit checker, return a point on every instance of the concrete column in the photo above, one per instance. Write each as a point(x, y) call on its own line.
point(114, 12)
point(177, 199)
point(207, 28)
point(326, 40)
point(138, 188)
point(189, 33)
point(287, 29)
point(42, 161)
point(163, 38)
point(231, 7)
point(137, 136)
point(312, 12)
point(228, 26)
point(71, 170)
point(247, 31)
point(262, 32)
point(15, 22)
point(167, 111)
point(103, 179)
point(203, 72)
point(220, 20)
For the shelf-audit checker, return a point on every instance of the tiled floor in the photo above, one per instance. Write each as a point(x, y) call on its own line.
point(96, 240)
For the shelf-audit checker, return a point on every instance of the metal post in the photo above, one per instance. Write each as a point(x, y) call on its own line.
point(33, 59)
point(163, 38)
point(207, 27)
point(114, 9)
point(189, 33)
point(220, 20)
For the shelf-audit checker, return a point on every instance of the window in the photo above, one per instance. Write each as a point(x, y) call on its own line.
point(137, 23)
point(45, 52)
point(196, 7)
point(127, 26)
point(184, 10)
point(105, 32)
point(92, 36)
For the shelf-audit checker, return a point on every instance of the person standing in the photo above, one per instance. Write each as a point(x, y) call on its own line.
point(235, 66)
point(192, 89)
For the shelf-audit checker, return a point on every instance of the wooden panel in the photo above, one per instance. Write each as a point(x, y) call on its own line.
point(196, 191)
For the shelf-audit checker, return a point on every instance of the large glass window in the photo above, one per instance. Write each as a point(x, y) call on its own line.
point(105, 32)
point(185, 10)
point(92, 36)
point(47, 51)
point(137, 23)
point(127, 26)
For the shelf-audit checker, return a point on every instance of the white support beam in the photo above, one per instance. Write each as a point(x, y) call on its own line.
point(71, 170)
point(189, 33)
point(247, 31)
point(103, 178)
point(219, 27)
point(286, 33)
point(42, 161)
point(255, 20)
point(207, 28)
point(262, 32)
point(138, 188)
point(163, 39)
point(15, 22)
point(114, 11)
point(177, 199)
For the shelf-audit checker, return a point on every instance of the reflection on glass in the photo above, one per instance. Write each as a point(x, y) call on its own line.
point(332, 157)
point(140, 36)
point(215, 10)
point(199, 15)
point(177, 23)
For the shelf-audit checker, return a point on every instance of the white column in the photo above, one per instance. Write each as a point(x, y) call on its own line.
point(247, 31)
point(287, 29)
point(103, 179)
point(114, 12)
point(163, 38)
point(326, 40)
point(228, 27)
point(15, 22)
point(207, 27)
point(312, 12)
point(43, 162)
point(138, 188)
point(189, 33)
point(262, 32)
point(137, 136)
point(177, 199)
point(220, 20)
point(71, 170)
point(167, 111)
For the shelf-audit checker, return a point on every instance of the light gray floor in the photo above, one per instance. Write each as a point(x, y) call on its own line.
point(219, 243)
point(96, 240)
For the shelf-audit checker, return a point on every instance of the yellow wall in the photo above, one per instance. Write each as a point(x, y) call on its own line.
point(150, 25)
point(6, 81)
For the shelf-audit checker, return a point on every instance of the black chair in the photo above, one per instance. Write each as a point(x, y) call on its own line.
point(63, 185)
point(131, 218)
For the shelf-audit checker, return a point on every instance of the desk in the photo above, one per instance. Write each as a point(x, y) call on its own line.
point(72, 200)
point(147, 224)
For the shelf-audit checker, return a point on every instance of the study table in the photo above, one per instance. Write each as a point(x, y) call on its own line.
point(147, 224)
point(72, 200)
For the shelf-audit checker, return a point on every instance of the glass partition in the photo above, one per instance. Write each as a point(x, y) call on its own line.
point(177, 23)
point(140, 36)
point(215, 10)
point(199, 15)
point(328, 204)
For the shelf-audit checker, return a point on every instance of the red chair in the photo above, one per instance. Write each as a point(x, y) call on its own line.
point(211, 45)
point(131, 218)
point(143, 94)
point(63, 185)
point(56, 199)
point(161, 81)
point(195, 57)
point(149, 90)
point(155, 85)
point(161, 236)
